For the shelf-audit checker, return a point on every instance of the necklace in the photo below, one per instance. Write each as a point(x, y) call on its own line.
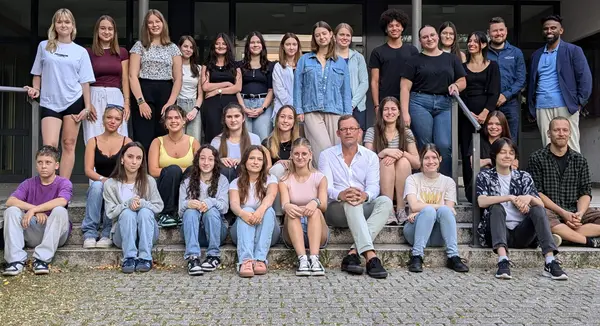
point(286, 146)
point(175, 141)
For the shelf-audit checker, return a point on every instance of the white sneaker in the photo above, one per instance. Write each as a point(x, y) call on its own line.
point(89, 243)
point(316, 268)
point(13, 269)
point(104, 243)
point(557, 239)
point(303, 266)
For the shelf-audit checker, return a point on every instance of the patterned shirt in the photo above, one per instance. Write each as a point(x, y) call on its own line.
point(488, 184)
point(564, 190)
point(157, 61)
point(394, 143)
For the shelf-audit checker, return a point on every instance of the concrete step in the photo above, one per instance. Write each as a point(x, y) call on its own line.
point(391, 255)
point(389, 235)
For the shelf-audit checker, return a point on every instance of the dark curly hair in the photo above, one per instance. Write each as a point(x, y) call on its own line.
point(193, 190)
point(390, 15)
point(556, 18)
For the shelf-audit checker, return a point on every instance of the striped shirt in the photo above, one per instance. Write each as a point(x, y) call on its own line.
point(370, 138)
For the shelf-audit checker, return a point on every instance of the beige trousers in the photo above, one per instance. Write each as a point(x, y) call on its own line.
point(320, 131)
point(544, 116)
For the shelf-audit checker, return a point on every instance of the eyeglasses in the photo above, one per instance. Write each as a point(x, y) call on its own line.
point(351, 129)
point(115, 106)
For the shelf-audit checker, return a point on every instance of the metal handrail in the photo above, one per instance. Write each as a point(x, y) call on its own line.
point(35, 123)
point(476, 157)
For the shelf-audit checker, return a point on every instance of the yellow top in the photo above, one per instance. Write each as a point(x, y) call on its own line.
point(165, 160)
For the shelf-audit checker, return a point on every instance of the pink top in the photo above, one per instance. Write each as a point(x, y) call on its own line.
point(302, 193)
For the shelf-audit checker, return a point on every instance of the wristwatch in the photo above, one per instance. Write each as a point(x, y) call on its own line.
point(317, 201)
point(197, 108)
point(140, 101)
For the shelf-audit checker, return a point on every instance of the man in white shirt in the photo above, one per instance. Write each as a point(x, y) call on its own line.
point(352, 173)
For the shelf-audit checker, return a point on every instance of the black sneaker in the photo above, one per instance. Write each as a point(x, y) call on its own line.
point(415, 264)
point(143, 265)
point(504, 269)
point(211, 263)
point(128, 265)
point(457, 264)
point(351, 264)
point(375, 268)
point(40, 267)
point(595, 242)
point(194, 267)
point(554, 271)
point(166, 221)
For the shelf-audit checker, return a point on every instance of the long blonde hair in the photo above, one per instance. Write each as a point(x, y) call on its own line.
point(145, 36)
point(52, 35)
point(274, 140)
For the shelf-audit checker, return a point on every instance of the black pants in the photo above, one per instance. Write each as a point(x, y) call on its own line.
point(212, 115)
point(534, 229)
point(156, 93)
point(168, 187)
point(229, 173)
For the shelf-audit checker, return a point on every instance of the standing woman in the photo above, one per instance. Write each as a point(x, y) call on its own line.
point(480, 96)
point(359, 77)
point(398, 156)
point(250, 198)
point(64, 90)
point(449, 40)
point(100, 160)
point(168, 159)
point(428, 81)
point(131, 199)
point(283, 72)
point(322, 89)
point(191, 95)
point(155, 77)
point(111, 68)
point(221, 81)
point(256, 96)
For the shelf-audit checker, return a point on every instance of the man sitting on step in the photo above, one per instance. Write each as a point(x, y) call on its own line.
point(352, 173)
point(514, 214)
point(562, 177)
point(36, 216)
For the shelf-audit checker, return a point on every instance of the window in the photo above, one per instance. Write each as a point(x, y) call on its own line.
point(16, 20)
point(531, 26)
point(210, 18)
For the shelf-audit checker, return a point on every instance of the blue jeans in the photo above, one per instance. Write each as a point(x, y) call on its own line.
point(214, 232)
point(136, 232)
point(94, 213)
point(253, 241)
point(431, 122)
point(512, 111)
point(432, 228)
point(261, 125)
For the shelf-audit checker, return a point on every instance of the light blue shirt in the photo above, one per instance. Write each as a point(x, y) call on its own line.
point(548, 94)
point(283, 87)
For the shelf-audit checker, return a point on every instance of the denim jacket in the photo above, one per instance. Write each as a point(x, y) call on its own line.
point(359, 80)
point(322, 90)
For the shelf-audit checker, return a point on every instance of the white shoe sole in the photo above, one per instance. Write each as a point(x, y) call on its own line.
point(303, 273)
point(11, 273)
point(557, 239)
point(563, 277)
point(317, 273)
point(503, 277)
point(89, 245)
point(42, 272)
point(103, 245)
point(195, 273)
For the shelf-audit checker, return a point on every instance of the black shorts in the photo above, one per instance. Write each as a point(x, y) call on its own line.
point(74, 108)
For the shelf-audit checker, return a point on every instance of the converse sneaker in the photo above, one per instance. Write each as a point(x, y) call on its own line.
point(194, 267)
point(104, 242)
point(316, 268)
point(304, 268)
point(554, 271)
point(89, 243)
point(14, 269)
point(166, 221)
point(504, 270)
point(40, 267)
point(211, 263)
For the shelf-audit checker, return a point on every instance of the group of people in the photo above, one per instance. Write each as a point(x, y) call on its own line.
point(225, 137)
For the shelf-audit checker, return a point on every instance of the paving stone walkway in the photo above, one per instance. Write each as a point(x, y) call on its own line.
point(170, 297)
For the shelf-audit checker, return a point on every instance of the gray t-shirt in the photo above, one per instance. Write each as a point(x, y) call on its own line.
point(233, 150)
point(513, 215)
point(408, 135)
point(157, 61)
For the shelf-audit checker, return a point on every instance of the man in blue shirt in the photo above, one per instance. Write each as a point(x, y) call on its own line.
point(512, 73)
point(560, 82)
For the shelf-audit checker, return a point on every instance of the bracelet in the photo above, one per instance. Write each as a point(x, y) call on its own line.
point(316, 200)
point(197, 108)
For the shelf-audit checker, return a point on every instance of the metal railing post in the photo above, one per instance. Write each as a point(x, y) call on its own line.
point(476, 167)
point(35, 133)
point(455, 142)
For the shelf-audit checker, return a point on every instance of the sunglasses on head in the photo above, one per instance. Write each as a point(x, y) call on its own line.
point(115, 106)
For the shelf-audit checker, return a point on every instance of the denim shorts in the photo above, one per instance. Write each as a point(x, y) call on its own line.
point(304, 222)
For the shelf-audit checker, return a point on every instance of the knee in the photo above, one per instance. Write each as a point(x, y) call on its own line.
point(145, 214)
point(191, 214)
point(384, 202)
point(127, 215)
point(59, 211)
point(68, 144)
point(386, 170)
point(173, 170)
point(496, 210)
point(12, 213)
point(212, 215)
point(403, 165)
point(316, 215)
point(428, 212)
point(95, 187)
point(445, 211)
point(249, 209)
point(537, 212)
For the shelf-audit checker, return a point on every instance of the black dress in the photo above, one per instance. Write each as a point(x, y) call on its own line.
point(212, 107)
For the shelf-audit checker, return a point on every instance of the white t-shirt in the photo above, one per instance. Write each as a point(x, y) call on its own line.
point(233, 150)
point(252, 201)
point(189, 86)
point(513, 215)
point(127, 191)
point(430, 191)
point(62, 73)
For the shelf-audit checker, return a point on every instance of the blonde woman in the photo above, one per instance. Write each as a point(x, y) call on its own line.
point(64, 90)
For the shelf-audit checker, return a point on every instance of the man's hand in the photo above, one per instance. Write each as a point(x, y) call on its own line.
point(349, 195)
point(41, 218)
point(360, 197)
point(522, 203)
point(501, 100)
point(27, 218)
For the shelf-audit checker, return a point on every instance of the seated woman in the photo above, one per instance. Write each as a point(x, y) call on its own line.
point(398, 156)
point(131, 200)
point(203, 201)
point(431, 198)
point(250, 198)
point(168, 158)
point(304, 197)
point(100, 160)
point(237, 137)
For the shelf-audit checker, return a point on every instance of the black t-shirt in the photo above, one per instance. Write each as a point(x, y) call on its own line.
point(390, 63)
point(562, 162)
point(285, 150)
point(485, 148)
point(256, 81)
point(433, 75)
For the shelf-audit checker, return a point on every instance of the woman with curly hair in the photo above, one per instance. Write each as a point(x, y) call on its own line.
point(202, 203)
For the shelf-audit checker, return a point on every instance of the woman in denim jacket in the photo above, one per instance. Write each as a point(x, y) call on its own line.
point(322, 89)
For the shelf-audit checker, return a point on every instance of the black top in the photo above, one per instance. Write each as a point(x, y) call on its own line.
point(485, 148)
point(562, 162)
point(285, 150)
point(433, 75)
point(483, 88)
point(255, 81)
point(390, 63)
point(221, 75)
point(103, 164)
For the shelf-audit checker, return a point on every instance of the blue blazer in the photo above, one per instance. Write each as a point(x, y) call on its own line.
point(574, 77)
